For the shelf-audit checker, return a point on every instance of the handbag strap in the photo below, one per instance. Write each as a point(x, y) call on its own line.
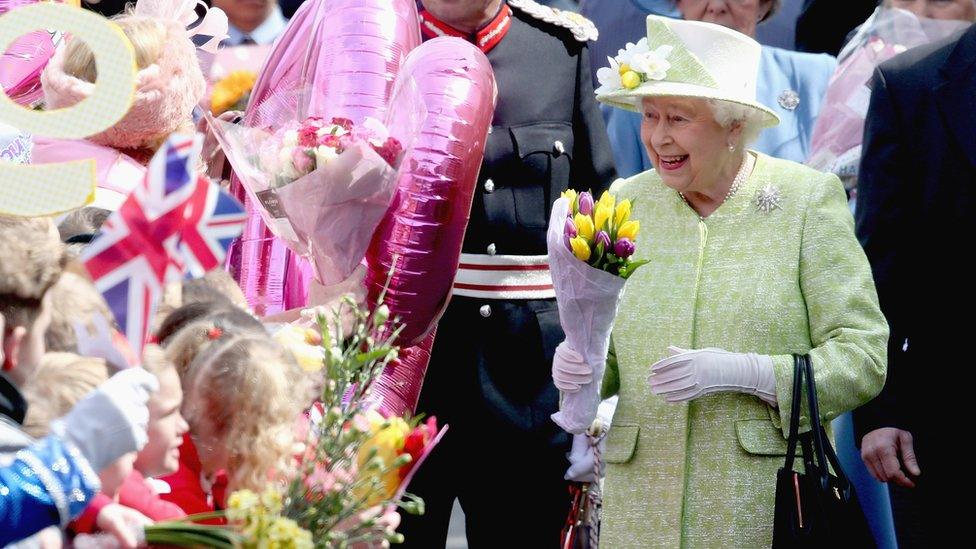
point(816, 427)
point(798, 372)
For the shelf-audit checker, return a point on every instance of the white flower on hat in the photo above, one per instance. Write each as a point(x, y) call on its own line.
point(653, 65)
point(626, 56)
point(609, 77)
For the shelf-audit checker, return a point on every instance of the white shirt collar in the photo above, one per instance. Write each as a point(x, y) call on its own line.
point(264, 34)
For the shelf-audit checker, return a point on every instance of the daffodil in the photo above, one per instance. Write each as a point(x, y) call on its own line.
point(584, 226)
point(581, 249)
point(630, 80)
point(629, 230)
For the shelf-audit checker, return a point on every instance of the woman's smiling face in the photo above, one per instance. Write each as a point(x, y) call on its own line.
point(684, 142)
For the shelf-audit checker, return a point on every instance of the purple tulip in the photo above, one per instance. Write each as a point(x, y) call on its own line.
point(624, 248)
point(566, 238)
point(586, 203)
point(603, 238)
point(569, 229)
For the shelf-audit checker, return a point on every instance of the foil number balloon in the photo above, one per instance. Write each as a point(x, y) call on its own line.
point(56, 188)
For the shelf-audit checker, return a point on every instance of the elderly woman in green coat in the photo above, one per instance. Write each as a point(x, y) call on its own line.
point(751, 259)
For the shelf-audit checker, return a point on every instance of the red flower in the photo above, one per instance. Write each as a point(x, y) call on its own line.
point(344, 123)
point(416, 443)
point(331, 141)
point(307, 137)
point(390, 150)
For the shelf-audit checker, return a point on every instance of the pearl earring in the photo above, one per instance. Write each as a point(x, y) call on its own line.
point(731, 148)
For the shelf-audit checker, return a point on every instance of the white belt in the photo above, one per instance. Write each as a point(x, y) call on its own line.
point(504, 277)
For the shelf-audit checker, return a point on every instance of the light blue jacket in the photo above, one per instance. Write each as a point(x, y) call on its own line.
point(779, 71)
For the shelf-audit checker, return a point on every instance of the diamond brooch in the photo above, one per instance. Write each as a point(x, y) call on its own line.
point(768, 198)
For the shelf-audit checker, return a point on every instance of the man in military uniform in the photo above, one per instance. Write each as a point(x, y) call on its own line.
point(489, 376)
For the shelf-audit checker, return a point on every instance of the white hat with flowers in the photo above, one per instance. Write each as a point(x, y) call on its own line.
point(684, 59)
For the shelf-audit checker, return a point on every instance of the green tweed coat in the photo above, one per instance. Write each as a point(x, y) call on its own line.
point(791, 280)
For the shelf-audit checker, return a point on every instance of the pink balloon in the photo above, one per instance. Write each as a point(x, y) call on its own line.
point(420, 238)
point(349, 53)
point(398, 388)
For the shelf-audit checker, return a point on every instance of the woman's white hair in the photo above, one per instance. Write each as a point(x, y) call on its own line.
point(727, 114)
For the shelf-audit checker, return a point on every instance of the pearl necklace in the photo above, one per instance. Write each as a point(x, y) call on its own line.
point(744, 170)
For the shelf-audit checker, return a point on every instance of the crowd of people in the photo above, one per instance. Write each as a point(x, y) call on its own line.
point(808, 199)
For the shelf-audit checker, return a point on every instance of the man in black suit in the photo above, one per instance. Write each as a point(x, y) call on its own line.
point(490, 369)
point(916, 218)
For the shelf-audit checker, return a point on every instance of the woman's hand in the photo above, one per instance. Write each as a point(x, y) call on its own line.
point(687, 375)
point(569, 371)
point(880, 450)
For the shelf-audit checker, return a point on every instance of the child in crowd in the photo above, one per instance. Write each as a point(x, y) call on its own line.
point(168, 85)
point(243, 393)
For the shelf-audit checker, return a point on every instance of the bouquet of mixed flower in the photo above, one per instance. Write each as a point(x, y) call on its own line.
point(352, 474)
point(592, 247)
point(321, 184)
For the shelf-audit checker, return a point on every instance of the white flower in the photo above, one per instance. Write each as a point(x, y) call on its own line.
point(286, 167)
point(609, 77)
point(324, 155)
point(631, 50)
point(652, 64)
point(290, 138)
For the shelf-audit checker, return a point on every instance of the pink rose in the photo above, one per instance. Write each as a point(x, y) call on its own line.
point(304, 162)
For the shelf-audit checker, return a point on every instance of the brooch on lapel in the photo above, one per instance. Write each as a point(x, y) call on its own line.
point(768, 198)
point(789, 100)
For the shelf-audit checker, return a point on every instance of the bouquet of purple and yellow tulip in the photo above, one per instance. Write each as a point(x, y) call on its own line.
point(591, 254)
point(601, 233)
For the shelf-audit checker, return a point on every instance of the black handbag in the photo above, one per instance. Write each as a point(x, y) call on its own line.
point(815, 508)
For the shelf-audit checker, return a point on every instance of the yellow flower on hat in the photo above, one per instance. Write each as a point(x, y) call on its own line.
point(630, 80)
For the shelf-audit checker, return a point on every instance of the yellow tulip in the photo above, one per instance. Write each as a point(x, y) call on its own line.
point(622, 214)
point(570, 196)
point(630, 80)
point(580, 248)
point(608, 200)
point(629, 230)
point(602, 215)
point(584, 226)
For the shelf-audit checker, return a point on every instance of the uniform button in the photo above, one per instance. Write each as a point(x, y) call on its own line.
point(558, 147)
point(489, 130)
point(492, 249)
point(485, 311)
point(489, 186)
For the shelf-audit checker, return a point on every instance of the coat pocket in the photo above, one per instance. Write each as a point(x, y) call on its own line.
point(760, 437)
point(621, 443)
point(545, 156)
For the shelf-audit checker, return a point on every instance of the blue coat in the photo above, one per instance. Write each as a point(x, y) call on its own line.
point(779, 70)
point(48, 483)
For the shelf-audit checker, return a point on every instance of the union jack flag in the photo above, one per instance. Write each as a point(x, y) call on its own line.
point(176, 222)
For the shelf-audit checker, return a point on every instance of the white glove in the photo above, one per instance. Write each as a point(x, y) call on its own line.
point(687, 375)
point(581, 458)
point(569, 371)
point(110, 421)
